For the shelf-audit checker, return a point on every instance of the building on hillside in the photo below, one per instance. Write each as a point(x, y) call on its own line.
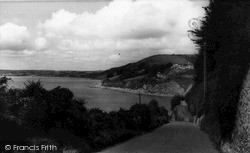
point(183, 67)
point(159, 75)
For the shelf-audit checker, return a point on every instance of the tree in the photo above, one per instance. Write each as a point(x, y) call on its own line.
point(141, 115)
point(175, 101)
point(3, 93)
point(158, 115)
point(110, 75)
point(224, 38)
point(77, 118)
point(36, 110)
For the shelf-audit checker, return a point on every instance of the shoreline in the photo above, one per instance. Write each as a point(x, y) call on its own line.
point(49, 77)
point(142, 92)
point(126, 90)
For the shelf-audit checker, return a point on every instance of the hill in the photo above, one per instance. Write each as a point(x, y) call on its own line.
point(161, 74)
point(165, 59)
point(144, 66)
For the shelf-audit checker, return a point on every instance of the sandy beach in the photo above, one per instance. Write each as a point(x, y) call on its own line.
point(140, 91)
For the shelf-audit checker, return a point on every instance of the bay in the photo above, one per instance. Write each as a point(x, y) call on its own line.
point(105, 99)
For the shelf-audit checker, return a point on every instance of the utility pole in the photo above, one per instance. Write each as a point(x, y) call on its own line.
point(205, 73)
point(139, 97)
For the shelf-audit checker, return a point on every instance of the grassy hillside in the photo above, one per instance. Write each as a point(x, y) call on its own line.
point(145, 66)
point(165, 59)
point(163, 74)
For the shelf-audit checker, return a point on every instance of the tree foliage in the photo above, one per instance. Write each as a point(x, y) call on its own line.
point(224, 38)
point(176, 100)
point(49, 112)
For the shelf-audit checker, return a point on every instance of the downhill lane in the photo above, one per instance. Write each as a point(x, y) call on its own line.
point(175, 137)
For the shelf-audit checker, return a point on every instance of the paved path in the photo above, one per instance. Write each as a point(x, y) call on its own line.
point(176, 137)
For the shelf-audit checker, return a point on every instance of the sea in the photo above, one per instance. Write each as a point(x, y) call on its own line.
point(104, 99)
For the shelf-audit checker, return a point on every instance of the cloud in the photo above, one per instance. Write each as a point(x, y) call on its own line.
point(122, 25)
point(124, 20)
point(138, 28)
point(13, 37)
point(40, 43)
point(114, 57)
point(135, 29)
point(18, 38)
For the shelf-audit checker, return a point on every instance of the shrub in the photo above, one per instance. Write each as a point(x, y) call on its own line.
point(141, 116)
point(34, 89)
point(224, 22)
point(56, 115)
point(212, 127)
point(176, 100)
point(3, 94)
point(158, 115)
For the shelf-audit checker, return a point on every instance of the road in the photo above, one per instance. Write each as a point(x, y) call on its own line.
point(176, 137)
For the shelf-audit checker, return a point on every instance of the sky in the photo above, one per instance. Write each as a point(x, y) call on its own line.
point(92, 35)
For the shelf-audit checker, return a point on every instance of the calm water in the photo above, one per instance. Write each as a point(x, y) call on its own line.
point(104, 99)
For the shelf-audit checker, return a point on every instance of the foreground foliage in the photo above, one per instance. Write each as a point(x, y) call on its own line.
point(34, 114)
point(224, 38)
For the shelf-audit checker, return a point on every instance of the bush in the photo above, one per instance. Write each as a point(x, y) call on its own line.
point(3, 94)
point(10, 130)
point(141, 116)
point(56, 115)
point(158, 115)
point(224, 22)
point(34, 89)
point(212, 127)
point(176, 100)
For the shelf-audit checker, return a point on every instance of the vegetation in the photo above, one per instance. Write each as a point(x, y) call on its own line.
point(143, 73)
point(39, 115)
point(176, 100)
point(150, 66)
point(152, 74)
point(224, 38)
